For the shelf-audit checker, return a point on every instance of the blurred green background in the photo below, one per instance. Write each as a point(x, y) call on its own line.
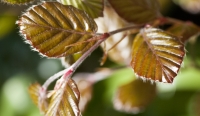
point(19, 67)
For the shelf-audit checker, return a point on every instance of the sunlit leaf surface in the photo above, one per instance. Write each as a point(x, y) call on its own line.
point(64, 100)
point(93, 7)
point(134, 96)
point(17, 1)
point(136, 11)
point(184, 30)
point(34, 91)
point(157, 55)
point(52, 27)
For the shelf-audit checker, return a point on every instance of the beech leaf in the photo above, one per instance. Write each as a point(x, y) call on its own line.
point(121, 53)
point(157, 55)
point(93, 7)
point(52, 27)
point(64, 101)
point(184, 30)
point(134, 96)
point(40, 102)
point(137, 11)
point(17, 1)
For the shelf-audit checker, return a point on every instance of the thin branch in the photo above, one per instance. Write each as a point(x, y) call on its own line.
point(117, 42)
point(69, 71)
point(104, 58)
point(125, 29)
point(53, 78)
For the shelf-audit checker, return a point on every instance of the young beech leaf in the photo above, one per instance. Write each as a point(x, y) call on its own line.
point(157, 55)
point(121, 53)
point(64, 100)
point(52, 27)
point(134, 96)
point(136, 11)
point(93, 7)
point(184, 30)
point(40, 102)
point(17, 1)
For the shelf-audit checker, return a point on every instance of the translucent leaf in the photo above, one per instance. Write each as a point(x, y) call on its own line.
point(93, 7)
point(157, 55)
point(64, 101)
point(85, 88)
point(41, 103)
point(192, 6)
point(184, 30)
point(136, 11)
point(17, 1)
point(52, 27)
point(122, 52)
point(134, 96)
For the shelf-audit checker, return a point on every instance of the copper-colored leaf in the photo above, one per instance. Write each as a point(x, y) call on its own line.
point(64, 101)
point(157, 55)
point(41, 103)
point(93, 7)
point(184, 30)
point(137, 11)
point(17, 1)
point(134, 96)
point(52, 27)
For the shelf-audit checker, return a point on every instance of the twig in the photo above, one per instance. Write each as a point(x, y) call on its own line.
point(69, 71)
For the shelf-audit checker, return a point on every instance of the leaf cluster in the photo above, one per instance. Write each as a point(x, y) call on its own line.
point(73, 29)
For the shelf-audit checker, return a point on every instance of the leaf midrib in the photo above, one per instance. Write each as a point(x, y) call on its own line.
point(153, 51)
point(60, 29)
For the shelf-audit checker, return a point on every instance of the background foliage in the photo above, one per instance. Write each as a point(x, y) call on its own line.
point(19, 67)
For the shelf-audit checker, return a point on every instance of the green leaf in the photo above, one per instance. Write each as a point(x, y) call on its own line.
point(64, 100)
point(197, 104)
point(183, 83)
point(184, 30)
point(52, 27)
point(157, 55)
point(93, 7)
point(137, 11)
point(17, 1)
point(40, 102)
point(7, 22)
point(134, 96)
